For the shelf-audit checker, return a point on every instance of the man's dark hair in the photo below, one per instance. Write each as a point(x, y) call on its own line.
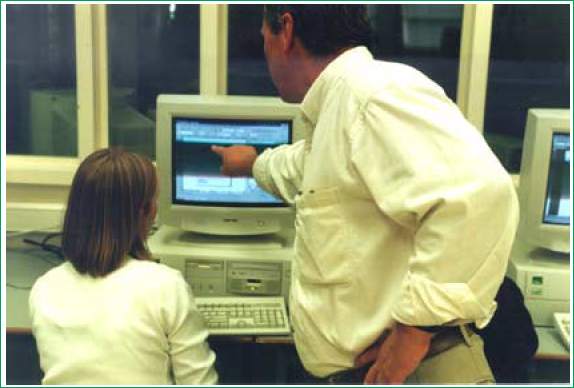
point(323, 29)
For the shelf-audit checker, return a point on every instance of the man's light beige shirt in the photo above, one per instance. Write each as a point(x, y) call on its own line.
point(402, 211)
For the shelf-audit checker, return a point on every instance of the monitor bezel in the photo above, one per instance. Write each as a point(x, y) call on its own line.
point(220, 220)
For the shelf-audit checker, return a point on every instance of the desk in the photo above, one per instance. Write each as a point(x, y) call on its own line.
point(24, 264)
point(550, 345)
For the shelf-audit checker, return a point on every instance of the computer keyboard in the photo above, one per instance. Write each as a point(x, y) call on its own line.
point(562, 323)
point(244, 315)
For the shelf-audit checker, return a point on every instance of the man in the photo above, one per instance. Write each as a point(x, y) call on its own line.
point(404, 217)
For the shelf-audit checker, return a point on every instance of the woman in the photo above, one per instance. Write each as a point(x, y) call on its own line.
point(110, 315)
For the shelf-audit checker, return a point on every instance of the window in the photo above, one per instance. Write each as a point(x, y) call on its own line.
point(58, 64)
point(41, 115)
point(247, 69)
point(426, 37)
point(153, 49)
point(529, 67)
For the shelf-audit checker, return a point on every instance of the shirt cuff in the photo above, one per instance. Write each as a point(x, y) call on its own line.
point(423, 302)
point(259, 171)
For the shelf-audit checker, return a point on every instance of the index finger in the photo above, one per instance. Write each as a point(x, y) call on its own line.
point(218, 150)
point(367, 356)
point(372, 375)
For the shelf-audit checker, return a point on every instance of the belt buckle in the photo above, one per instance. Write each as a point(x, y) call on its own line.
point(332, 379)
point(346, 376)
point(339, 377)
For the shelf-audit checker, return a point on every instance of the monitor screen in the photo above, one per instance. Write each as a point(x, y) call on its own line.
point(196, 176)
point(557, 204)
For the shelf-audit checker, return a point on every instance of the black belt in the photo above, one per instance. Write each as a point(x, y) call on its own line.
point(354, 376)
point(442, 341)
point(447, 338)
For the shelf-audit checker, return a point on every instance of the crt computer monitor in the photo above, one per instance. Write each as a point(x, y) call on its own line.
point(194, 194)
point(544, 188)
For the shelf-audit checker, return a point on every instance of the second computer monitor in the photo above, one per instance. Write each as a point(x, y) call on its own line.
point(544, 188)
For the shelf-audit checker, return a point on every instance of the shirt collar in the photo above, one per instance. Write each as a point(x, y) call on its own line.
point(311, 105)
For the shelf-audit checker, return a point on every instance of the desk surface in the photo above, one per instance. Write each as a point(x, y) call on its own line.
point(25, 263)
point(550, 345)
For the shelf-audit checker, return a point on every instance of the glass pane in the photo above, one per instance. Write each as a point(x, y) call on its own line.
point(153, 49)
point(529, 67)
point(426, 37)
point(247, 70)
point(41, 115)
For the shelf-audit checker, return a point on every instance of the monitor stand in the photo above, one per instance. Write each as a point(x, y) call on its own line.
point(171, 236)
point(266, 241)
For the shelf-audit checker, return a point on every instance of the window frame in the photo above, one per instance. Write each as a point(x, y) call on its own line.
point(30, 174)
point(58, 171)
point(474, 61)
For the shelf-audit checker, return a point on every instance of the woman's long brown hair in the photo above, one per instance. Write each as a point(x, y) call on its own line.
point(110, 210)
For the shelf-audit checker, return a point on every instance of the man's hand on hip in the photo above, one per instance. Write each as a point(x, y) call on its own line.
point(236, 160)
point(397, 356)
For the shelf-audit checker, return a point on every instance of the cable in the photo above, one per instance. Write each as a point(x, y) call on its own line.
point(55, 249)
point(18, 287)
point(44, 245)
point(50, 236)
point(50, 248)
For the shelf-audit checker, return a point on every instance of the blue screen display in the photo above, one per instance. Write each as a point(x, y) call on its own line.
point(557, 205)
point(196, 175)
